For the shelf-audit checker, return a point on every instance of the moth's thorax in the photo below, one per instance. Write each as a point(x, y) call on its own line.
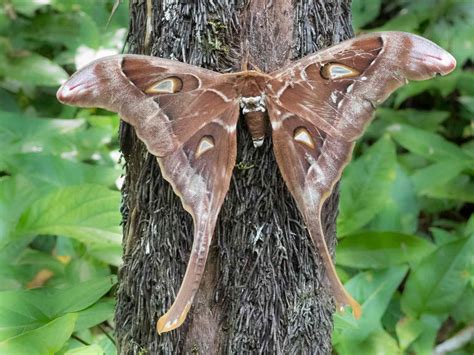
point(251, 86)
point(253, 103)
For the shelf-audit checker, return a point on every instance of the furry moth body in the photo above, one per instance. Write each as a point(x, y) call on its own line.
point(317, 107)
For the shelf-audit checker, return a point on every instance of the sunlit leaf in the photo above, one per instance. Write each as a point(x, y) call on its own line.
point(95, 314)
point(373, 289)
point(379, 342)
point(459, 189)
point(366, 186)
point(29, 7)
point(425, 342)
point(426, 144)
point(381, 249)
point(93, 349)
point(88, 213)
point(33, 69)
point(23, 310)
point(23, 134)
point(408, 330)
point(439, 280)
point(47, 339)
point(401, 209)
point(437, 174)
point(50, 170)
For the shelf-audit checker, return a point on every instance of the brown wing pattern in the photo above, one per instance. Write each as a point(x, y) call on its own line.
point(166, 101)
point(319, 105)
point(200, 173)
point(187, 117)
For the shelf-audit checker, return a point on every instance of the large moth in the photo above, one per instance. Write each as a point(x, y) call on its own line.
point(317, 107)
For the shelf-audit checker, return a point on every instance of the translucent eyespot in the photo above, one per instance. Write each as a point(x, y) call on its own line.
point(337, 71)
point(206, 143)
point(169, 85)
point(302, 135)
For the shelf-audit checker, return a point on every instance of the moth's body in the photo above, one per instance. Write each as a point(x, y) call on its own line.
point(317, 108)
point(251, 85)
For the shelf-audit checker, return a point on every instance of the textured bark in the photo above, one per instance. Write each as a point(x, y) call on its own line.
point(264, 290)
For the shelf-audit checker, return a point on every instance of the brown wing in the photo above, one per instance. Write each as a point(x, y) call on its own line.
point(319, 105)
point(200, 173)
point(187, 117)
point(166, 101)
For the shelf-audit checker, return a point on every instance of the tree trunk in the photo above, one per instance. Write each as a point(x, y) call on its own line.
point(264, 289)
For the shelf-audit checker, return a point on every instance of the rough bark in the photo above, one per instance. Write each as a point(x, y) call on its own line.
point(264, 290)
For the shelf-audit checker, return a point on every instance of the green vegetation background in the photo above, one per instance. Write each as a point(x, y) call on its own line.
point(405, 225)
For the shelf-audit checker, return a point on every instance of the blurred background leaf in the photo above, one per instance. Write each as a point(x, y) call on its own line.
point(59, 178)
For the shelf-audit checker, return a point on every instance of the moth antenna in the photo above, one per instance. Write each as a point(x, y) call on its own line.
point(245, 55)
point(254, 67)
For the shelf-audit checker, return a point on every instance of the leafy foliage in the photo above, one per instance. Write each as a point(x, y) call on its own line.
point(59, 205)
point(405, 215)
point(407, 235)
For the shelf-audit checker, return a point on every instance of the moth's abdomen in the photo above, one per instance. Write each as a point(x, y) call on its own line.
point(257, 124)
point(253, 108)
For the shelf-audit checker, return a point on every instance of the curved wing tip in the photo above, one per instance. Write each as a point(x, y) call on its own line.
point(164, 324)
point(356, 310)
point(349, 301)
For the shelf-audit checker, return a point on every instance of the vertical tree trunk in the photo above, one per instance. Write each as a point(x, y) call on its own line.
point(264, 290)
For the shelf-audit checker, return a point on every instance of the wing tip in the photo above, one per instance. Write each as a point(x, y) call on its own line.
point(356, 308)
point(165, 325)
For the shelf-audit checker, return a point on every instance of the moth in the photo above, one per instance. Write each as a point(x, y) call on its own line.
point(316, 108)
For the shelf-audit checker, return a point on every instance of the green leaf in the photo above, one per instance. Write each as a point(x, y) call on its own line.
point(363, 12)
point(47, 339)
point(71, 29)
point(468, 102)
point(366, 186)
point(426, 120)
point(407, 20)
point(16, 194)
point(439, 280)
point(22, 134)
point(429, 145)
point(463, 311)
point(401, 209)
point(459, 189)
point(8, 101)
point(408, 330)
point(95, 314)
point(88, 213)
point(424, 344)
point(379, 342)
point(374, 289)
point(93, 349)
point(23, 310)
point(28, 8)
point(33, 69)
point(436, 174)
point(53, 171)
point(381, 249)
point(110, 254)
